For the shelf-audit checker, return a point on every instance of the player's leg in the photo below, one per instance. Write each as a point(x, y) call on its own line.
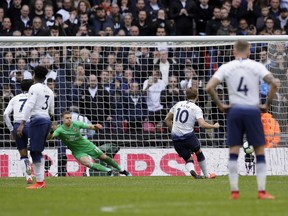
point(38, 132)
point(21, 144)
point(202, 163)
point(85, 160)
point(110, 161)
point(235, 132)
point(256, 138)
point(183, 148)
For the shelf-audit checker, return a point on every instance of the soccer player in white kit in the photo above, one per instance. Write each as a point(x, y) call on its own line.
point(17, 106)
point(242, 77)
point(181, 120)
point(40, 109)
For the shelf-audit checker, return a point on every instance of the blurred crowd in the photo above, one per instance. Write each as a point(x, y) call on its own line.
point(130, 89)
point(142, 17)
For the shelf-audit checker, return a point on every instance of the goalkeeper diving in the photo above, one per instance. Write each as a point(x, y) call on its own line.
point(83, 149)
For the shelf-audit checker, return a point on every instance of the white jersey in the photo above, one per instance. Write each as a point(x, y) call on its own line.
point(242, 78)
point(40, 101)
point(84, 132)
point(17, 106)
point(185, 114)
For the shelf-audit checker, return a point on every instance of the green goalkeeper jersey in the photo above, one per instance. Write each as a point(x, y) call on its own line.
point(72, 137)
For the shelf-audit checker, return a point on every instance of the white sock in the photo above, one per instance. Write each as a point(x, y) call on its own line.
point(23, 168)
point(39, 171)
point(261, 176)
point(203, 167)
point(233, 175)
point(189, 166)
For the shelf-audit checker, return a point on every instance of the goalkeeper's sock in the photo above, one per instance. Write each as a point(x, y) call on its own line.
point(261, 172)
point(112, 163)
point(99, 167)
point(233, 172)
point(190, 165)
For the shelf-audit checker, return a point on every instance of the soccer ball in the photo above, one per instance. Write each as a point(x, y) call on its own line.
point(248, 149)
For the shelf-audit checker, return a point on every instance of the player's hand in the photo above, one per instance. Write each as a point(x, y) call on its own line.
point(12, 136)
point(224, 107)
point(217, 125)
point(20, 130)
point(98, 127)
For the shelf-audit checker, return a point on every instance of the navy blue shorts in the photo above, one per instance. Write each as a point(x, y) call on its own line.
point(38, 132)
point(245, 120)
point(185, 147)
point(21, 143)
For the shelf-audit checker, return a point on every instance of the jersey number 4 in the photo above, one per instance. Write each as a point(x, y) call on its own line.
point(242, 87)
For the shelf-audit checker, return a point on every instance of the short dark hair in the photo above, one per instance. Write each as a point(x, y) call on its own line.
point(26, 84)
point(65, 113)
point(40, 72)
point(191, 93)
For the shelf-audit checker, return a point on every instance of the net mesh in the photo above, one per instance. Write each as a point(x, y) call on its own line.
point(106, 83)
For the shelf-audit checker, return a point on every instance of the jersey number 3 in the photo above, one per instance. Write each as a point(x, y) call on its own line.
point(46, 103)
point(242, 87)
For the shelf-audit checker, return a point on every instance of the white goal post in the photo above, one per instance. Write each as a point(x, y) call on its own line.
point(133, 118)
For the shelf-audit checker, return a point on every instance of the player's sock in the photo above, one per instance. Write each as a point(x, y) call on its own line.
point(23, 167)
point(190, 165)
point(233, 172)
point(112, 163)
point(39, 170)
point(202, 163)
point(99, 167)
point(261, 172)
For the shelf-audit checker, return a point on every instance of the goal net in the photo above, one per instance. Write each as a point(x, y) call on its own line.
point(128, 84)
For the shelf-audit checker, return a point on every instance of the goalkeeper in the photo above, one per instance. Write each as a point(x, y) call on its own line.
point(82, 148)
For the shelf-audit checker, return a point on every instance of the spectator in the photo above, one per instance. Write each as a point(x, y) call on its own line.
point(203, 13)
point(21, 67)
point(153, 87)
point(135, 108)
point(67, 6)
point(7, 65)
point(24, 18)
point(6, 29)
point(28, 31)
point(143, 24)
point(14, 10)
point(2, 15)
point(100, 20)
point(183, 13)
point(152, 8)
point(95, 65)
point(224, 27)
point(116, 17)
point(190, 78)
point(77, 90)
point(125, 7)
point(38, 10)
point(162, 21)
point(172, 94)
point(134, 31)
point(283, 17)
point(250, 11)
point(213, 24)
point(96, 103)
point(274, 10)
point(140, 6)
point(269, 27)
point(37, 26)
point(260, 22)
point(49, 18)
point(83, 7)
point(33, 60)
point(45, 62)
point(127, 23)
point(234, 12)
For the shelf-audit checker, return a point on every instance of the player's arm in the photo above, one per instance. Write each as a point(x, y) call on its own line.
point(269, 79)
point(6, 115)
point(169, 120)
point(203, 124)
point(95, 127)
point(210, 88)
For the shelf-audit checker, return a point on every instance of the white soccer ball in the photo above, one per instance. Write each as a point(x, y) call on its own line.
point(248, 149)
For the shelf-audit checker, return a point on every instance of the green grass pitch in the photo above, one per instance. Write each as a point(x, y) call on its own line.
point(151, 196)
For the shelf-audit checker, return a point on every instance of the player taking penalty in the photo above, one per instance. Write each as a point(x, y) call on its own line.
point(81, 148)
point(181, 120)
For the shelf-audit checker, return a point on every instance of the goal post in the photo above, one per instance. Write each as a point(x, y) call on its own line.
point(105, 80)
